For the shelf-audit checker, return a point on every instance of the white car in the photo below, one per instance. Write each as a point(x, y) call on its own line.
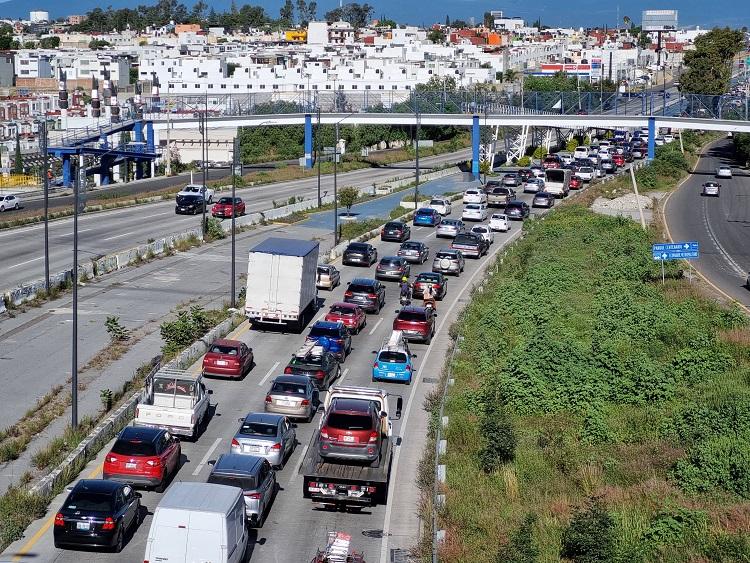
point(196, 189)
point(668, 138)
point(441, 204)
point(585, 173)
point(475, 212)
point(581, 152)
point(499, 222)
point(485, 232)
point(566, 157)
point(9, 202)
point(659, 141)
point(475, 195)
point(724, 172)
point(710, 189)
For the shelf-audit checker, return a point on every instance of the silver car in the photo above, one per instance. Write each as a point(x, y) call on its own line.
point(292, 395)
point(449, 228)
point(328, 277)
point(254, 475)
point(271, 436)
point(448, 262)
point(414, 252)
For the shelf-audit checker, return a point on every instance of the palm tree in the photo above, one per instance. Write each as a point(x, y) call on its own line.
point(510, 75)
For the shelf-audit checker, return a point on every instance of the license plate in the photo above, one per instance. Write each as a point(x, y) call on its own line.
point(284, 403)
point(221, 362)
point(83, 525)
point(130, 466)
point(391, 374)
point(252, 449)
point(348, 438)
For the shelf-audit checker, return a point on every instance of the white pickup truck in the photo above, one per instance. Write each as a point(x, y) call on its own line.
point(196, 189)
point(175, 400)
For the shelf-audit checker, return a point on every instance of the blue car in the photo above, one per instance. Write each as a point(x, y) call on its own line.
point(394, 360)
point(333, 336)
point(427, 217)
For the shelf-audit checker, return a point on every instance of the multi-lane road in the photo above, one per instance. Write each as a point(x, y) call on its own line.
point(105, 232)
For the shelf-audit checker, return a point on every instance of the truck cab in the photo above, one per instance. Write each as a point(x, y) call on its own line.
point(175, 400)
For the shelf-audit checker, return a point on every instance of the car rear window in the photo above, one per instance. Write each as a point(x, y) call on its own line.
point(226, 200)
point(393, 225)
point(222, 349)
point(465, 239)
point(472, 206)
point(498, 216)
point(346, 311)
point(288, 388)
point(425, 277)
point(390, 262)
point(187, 199)
point(410, 246)
point(318, 331)
point(412, 316)
point(349, 421)
point(392, 357)
point(358, 247)
point(437, 202)
point(361, 288)
point(88, 501)
point(257, 429)
point(449, 255)
point(246, 483)
point(425, 211)
point(323, 270)
point(134, 448)
point(310, 362)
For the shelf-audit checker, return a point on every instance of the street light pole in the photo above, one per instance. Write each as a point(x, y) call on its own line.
point(416, 152)
point(235, 165)
point(317, 154)
point(335, 188)
point(205, 159)
point(80, 179)
point(43, 138)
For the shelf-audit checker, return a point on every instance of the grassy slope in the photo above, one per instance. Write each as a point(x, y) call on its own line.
point(617, 388)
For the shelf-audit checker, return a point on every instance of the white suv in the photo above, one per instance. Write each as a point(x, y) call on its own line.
point(581, 153)
point(441, 204)
point(475, 195)
point(499, 222)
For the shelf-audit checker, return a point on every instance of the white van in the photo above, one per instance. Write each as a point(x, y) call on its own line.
point(198, 522)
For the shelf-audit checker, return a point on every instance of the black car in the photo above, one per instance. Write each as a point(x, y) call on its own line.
point(392, 268)
point(360, 254)
point(414, 252)
point(543, 199)
point(525, 174)
point(97, 513)
point(437, 280)
point(320, 365)
point(368, 294)
point(517, 210)
point(189, 204)
point(395, 231)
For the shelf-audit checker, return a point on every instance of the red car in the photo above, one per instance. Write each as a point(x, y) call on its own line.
point(551, 161)
point(350, 430)
point(223, 207)
point(618, 159)
point(228, 358)
point(143, 456)
point(353, 317)
point(576, 182)
point(416, 323)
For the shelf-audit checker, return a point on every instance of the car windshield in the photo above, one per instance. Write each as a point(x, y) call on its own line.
point(361, 288)
point(449, 255)
point(288, 388)
point(226, 201)
point(318, 331)
point(134, 448)
point(389, 357)
point(412, 316)
point(499, 217)
point(393, 225)
point(246, 483)
point(86, 501)
point(339, 310)
point(257, 429)
point(437, 202)
point(349, 421)
point(169, 386)
point(358, 247)
point(222, 349)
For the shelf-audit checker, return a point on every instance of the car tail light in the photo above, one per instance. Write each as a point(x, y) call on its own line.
point(373, 436)
point(324, 433)
point(372, 295)
point(111, 459)
point(268, 399)
point(408, 368)
point(436, 286)
point(320, 374)
point(276, 447)
point(109, 524)
point(348, 294)
point(382, 231)
point(59, 520)
point(152, 462)
point(235, 443)
point(305, 402)
point(375, 364)
point(254, 496)
point(287, 369)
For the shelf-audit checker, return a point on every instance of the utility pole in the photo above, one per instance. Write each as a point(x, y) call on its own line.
point(335, 188)
point(44, 140)
point(205, 160)
point(235, 165)
point(317, 154)
point(77, 185)
point(416, 152)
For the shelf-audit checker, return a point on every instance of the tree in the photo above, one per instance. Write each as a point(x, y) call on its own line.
point(436, 36)
point(521, 548)
point(356, 14)
point(489, 20)
point(590, 536)
point(709, 65)
point(459, 24)
point(49, 42)
point(96, 44)
point(18, 161)
point(286, 13)
point(537, 23)
point(348, 197)
point(510, 75)
point(387, 22)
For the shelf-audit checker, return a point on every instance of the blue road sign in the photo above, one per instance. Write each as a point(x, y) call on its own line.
point(675, 251)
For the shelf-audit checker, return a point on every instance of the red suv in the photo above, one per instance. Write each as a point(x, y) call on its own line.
point(416, 323)
point(351, 430)
point(228, 358)
point(351, 315)
point(223, 208)
point(618, 159)
point(551, 161)
point(575, 182)
point(143, 456)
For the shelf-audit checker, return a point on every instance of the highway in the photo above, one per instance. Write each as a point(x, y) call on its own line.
point(109, 231)
point(294, 528)
point(720, 224)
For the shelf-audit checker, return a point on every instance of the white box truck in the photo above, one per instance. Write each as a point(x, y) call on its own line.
point(198, 522)
point(281, 282)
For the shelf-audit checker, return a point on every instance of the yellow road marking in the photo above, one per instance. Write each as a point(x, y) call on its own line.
point(51, 520)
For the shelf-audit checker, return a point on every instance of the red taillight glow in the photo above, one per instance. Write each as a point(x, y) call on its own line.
point(373, 437)
point(59, 520)
point(320, 374)
point(324, 433)
point(254, 496)
point(372, 295)
point(268, 399)
point(305, 402)
point(276, 447)
point(111, 459)
point(375, 364)
point(348, 294)
point(109, 524)
point(287, 369)
point(235, 443)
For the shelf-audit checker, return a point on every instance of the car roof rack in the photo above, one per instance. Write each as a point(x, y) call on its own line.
point(394, 342)
point(312, 348)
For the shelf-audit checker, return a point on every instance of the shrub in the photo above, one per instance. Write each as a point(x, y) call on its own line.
point(116, 331)
point(521, 548)
point(397, 212)
point(499, 440)
point(524, 161)
point(214, 230)
point(183, 331)
point(721, 462)
point(670, 526)
point(590, 536)
point(572, 144)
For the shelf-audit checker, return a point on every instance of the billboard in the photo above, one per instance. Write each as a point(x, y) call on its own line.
point(659, 20)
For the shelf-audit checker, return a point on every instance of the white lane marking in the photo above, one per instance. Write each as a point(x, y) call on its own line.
point(120, 236)
point(270, 371)
point(155, 215)
point(206, 457)
point(343, 375)
point(432, 234)
point(27, 262)
point(410, 403)
point(377, 324)
point(79, 232)
point(727, 257)
point(298, 465)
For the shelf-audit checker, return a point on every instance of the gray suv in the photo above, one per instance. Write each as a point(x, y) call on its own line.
point(448, 262)
point(254, 475)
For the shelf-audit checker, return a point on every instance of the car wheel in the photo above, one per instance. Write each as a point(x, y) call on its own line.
point(2, 208)
point(138, 520)
point(117, 548)
point(428, 340)
point(15, 206)
point(162, 485)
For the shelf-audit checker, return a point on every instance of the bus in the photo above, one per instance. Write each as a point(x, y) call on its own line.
point(557, 181)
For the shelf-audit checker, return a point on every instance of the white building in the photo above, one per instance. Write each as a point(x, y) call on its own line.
point(38, 16)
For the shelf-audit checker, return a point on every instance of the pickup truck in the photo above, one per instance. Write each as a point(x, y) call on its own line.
point(175, 400)
point(195, 189)
point(340, 481)
point(500, 196)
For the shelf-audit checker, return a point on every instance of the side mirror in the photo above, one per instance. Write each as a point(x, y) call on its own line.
point(137, 494)
point(211, 462)
point(294, 425)
point(348, 283)
point(413, 355)
point(383, 414)
point(374, 351)
point(240, 419)
point(397, 311)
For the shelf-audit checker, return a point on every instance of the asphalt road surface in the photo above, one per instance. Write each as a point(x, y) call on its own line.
point(109, 231)
point(720, 224)
point(295, 527)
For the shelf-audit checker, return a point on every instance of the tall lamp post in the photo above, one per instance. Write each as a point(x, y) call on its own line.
point(235, 166)
point(335, 181)
point(77, 185)
point(204, 155)
point(416, 151)
point(43, 140)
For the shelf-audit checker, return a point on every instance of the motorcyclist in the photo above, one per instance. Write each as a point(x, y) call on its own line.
point(405, 289)
point(428, 296)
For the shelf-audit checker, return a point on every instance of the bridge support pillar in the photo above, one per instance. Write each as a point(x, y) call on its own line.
point(150, 136)
point(138, 131)
point(138, 170)
point(104, 142)
point(67, 176)
point(651, 137)
point(475, 147)
point(308, 141)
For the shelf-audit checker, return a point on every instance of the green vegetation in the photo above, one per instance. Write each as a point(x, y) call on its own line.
point(561, 82)
point(189, 326)
point(59, 447)
point(597, 414)
point(214, 230)
point(710, 63)
point(353, 229)
point(397, 212)
point(18, 508)
point(348, 196)
point(742, 147)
